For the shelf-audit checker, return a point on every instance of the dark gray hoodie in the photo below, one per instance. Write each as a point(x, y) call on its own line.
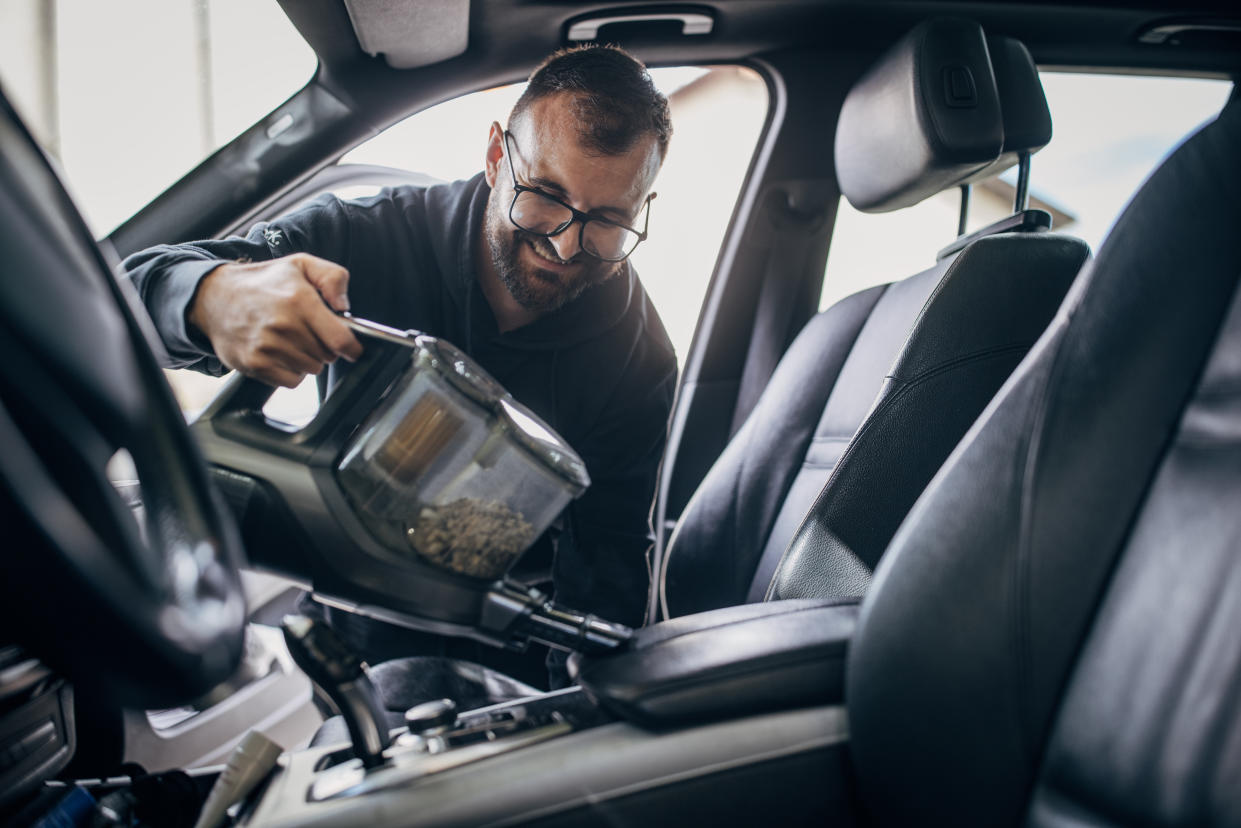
point(600, 370)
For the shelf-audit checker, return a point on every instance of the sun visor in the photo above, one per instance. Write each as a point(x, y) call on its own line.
point(924, 118)
point(410, 33)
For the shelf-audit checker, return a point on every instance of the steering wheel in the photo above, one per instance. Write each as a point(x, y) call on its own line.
point(148, 611)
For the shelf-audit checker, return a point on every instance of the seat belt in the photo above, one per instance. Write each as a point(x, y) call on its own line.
point(793, 272)
point(798, 213)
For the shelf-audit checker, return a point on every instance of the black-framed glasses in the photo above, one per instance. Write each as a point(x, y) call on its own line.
point(544, 215)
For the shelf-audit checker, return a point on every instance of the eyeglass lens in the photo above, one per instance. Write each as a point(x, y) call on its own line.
point(538, 214)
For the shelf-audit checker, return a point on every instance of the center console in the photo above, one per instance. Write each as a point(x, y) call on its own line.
point(732, 714)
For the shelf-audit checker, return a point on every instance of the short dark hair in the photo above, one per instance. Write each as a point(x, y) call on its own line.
point(614, 98)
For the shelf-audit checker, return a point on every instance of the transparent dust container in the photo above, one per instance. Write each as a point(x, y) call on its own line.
point(451, 469)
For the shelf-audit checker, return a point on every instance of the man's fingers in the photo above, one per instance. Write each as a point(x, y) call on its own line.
point(295, 359)
point(332, 283)
point(280, 357)
point(334, 335)
point(289, 379)
point(299, 338)
point(270, 321)
point(277, 376)
point(331, 280)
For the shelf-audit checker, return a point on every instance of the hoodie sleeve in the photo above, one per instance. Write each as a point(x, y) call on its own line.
point(603, 568)
point(167, 276)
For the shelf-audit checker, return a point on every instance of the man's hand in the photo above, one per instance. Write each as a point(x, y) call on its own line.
point(269, 321)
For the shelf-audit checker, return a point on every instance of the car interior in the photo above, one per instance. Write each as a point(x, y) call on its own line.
point(959, 548)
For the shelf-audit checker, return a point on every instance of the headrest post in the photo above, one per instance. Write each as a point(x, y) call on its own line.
point(965, 209)
point(1023, 182)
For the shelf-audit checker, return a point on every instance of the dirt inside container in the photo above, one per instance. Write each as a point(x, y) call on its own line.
point(472, 537)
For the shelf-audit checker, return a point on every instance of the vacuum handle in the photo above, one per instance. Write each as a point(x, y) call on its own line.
point(375, 330)
point(239, 395)
point(236, 412)
point(244, 395)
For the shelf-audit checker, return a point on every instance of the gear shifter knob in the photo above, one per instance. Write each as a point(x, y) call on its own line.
point(339, 673)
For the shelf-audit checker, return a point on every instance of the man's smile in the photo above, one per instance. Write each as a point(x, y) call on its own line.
point(550, 261)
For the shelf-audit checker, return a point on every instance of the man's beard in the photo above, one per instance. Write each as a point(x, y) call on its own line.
point(533, 287)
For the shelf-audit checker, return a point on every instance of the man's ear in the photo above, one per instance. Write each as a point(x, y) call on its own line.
point(495, 153)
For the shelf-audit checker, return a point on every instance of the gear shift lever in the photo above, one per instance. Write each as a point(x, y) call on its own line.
point(321, 654)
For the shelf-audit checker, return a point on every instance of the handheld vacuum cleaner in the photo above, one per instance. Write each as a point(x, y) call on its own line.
point(407, 497)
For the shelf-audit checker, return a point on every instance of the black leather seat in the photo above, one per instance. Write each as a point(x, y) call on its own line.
point(1051, 639)
point(876, 391)
point(1052, 636)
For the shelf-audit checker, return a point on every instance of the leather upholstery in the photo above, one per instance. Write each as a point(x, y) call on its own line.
point(728, 662)
point(1027, 118)
point(1023, 105)
point(1155, 692)
point(990, 307)
point(1066, 593)
point(968, 322)
point(782, 454)
point(924, 118)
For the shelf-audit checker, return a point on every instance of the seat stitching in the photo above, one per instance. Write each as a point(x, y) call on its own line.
point(867, 424)
point(951, 269)
point(767, 535)
point(895, 396)
point(666, 686)
point(948, 365)
point(1020, 585)
point(834, 602)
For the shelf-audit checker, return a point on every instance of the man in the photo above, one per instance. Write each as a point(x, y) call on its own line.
point(525, 267)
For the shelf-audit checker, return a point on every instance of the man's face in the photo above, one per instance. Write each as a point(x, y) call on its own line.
point(544, 273)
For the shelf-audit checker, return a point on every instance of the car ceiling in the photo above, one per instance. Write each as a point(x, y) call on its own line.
point(508, 36)
point(355, 95)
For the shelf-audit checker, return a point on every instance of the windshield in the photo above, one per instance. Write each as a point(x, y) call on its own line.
point(126, 113)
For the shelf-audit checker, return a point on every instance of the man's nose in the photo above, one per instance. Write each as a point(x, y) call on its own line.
point(567, 242)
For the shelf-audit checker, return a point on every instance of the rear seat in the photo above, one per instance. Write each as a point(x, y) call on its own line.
point(876, 391)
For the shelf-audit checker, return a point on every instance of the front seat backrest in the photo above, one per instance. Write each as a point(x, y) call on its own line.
point(986, 312)
point(972, 317)
point(1052, 635)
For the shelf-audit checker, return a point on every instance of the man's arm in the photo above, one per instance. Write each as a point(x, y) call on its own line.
point(256, 304)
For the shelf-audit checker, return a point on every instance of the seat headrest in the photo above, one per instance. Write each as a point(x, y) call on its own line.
point(944, 106)
point(1023, 105)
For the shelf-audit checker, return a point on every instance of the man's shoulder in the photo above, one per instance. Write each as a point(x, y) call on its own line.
point(649, 327)
point(421, 198)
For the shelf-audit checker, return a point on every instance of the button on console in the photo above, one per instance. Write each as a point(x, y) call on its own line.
point(431, 718)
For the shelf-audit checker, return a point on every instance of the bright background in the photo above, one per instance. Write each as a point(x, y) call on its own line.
point(125, 113)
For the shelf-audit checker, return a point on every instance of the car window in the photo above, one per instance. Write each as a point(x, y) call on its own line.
point(717, 115)
point(125, 113)
point(1110, 131)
